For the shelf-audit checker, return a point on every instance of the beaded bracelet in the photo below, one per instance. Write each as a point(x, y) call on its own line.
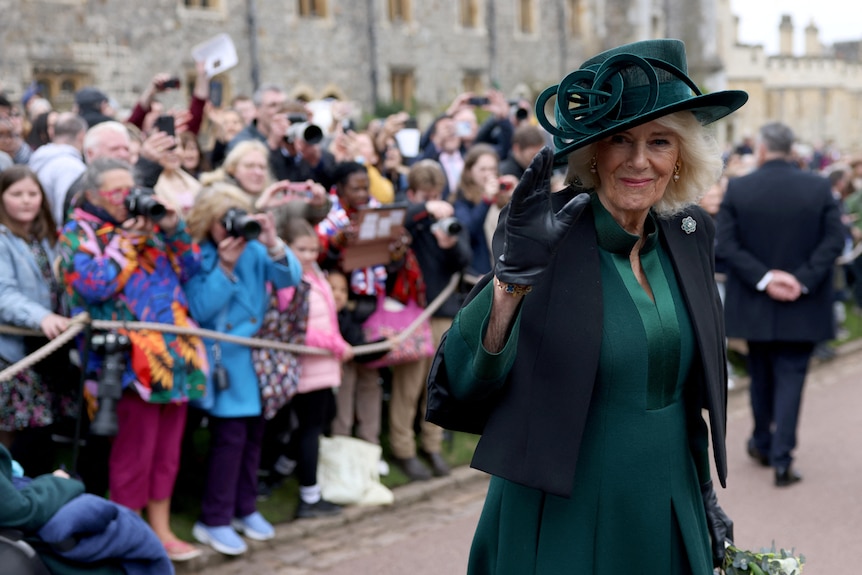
point(514, 290)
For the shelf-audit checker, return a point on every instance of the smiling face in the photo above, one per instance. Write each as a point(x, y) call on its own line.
point(21, 203)
point(634, 168)
point(252, 172)
point(354, 191)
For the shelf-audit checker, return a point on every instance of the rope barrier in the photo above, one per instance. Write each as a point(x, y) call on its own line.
point(80, 321)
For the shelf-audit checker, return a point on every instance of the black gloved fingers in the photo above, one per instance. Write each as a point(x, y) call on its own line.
point(535, 181)
point(719, 524)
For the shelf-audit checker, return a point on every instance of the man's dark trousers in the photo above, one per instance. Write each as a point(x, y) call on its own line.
point(777, 371)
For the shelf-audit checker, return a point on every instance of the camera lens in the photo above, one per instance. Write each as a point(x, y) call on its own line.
point(140, 202)
point(451, 226)
point(239, 224)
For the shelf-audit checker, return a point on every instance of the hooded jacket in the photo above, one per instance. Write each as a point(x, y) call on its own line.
point(58, 167)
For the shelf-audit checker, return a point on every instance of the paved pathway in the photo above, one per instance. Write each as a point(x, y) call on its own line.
point(428, 531)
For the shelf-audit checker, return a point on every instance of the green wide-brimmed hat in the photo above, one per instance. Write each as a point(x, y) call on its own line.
point(625, 87)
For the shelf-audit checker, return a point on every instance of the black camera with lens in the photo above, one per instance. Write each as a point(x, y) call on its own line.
point(142, 202)
point(114, 348)
point(305, 131)
point(239, 224)
point(451, 226)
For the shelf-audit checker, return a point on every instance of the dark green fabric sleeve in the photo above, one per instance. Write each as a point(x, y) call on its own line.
point(474, 372)
point(32, 506)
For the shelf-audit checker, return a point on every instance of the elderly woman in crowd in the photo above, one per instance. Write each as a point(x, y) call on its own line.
point(118, 265)
point(586, 355)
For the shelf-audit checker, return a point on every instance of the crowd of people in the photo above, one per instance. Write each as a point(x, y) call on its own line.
point(233, 219)
point(238, 218)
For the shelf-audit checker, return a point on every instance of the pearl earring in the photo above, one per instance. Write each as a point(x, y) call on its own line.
point(593, 165)
point(676, 172)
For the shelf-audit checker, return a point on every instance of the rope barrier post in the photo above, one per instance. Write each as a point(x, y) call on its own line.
point(82, 380)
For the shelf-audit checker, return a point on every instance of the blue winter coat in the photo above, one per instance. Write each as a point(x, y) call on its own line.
point(236, 306)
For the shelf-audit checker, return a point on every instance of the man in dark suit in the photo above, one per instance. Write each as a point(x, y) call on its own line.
point(779, 232)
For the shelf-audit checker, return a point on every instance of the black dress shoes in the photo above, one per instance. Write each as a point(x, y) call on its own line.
point(785, 476)
point(758, 455)
point(414, 469)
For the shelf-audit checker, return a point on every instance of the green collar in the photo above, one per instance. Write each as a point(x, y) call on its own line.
point(613, 238)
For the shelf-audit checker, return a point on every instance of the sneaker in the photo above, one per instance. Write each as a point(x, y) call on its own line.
point(322, 508)
point(180, 550)
point(222, 538)
point(254, 526)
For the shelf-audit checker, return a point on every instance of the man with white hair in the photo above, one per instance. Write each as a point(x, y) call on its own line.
point(111, 140)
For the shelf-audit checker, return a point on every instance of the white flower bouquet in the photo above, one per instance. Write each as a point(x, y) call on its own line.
point(766, 562)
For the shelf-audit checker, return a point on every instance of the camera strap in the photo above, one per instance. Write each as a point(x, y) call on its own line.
point(221, 323)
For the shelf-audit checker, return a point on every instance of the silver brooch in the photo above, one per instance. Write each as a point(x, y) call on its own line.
point(689, 225)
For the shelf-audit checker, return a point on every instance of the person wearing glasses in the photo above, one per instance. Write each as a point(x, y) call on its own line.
point(119, 262)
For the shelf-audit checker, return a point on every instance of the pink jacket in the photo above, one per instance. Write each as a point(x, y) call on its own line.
point(319, 371)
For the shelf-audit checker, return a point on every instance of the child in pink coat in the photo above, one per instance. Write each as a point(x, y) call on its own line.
point(313, 403)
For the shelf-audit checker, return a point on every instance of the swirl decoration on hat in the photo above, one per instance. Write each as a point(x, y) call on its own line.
point(589, 101)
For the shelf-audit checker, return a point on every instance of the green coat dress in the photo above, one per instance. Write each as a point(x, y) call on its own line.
point(635, 505)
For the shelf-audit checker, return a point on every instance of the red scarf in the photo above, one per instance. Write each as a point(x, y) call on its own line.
point(409, 283)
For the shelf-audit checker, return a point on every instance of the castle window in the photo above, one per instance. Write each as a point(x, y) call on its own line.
point(472, 82)
point(575, 16)
point(313, 9)
point(399, 11)
point(202, 4)
point(526, 19)
point(403, 86)
point(469, 13)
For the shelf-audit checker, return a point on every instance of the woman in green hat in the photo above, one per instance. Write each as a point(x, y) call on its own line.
point(586, 356)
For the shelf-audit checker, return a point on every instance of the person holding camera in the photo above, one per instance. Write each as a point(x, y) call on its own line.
point(241, 256)
point(300, 149)
point(124, 257)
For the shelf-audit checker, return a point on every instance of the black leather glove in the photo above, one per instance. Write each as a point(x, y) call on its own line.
point(532, 229)
point(719, 524)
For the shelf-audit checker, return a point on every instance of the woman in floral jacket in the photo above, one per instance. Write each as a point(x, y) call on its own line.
point(117, 266)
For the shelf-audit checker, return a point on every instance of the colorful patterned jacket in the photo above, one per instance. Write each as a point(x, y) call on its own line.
point(115, 275)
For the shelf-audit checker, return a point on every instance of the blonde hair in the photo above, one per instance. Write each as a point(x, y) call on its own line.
point(699, 164)
point(211, 204)
point(228, 169)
